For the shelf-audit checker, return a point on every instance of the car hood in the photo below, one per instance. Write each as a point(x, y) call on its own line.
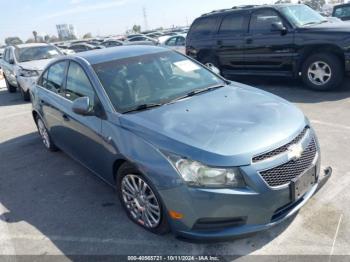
point(329, 27)
point(38, 65)
point(220, 127)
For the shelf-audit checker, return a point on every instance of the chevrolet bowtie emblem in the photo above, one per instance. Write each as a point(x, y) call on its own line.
point(295, 152)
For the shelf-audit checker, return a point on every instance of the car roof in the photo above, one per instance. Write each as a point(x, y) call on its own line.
point(31, 45)
point(341, 5)
point(244, 8)
point(116, 53)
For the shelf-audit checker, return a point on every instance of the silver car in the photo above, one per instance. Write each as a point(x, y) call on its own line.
point(22, 64)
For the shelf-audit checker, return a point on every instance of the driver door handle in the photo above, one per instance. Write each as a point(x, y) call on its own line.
point(65, 117)
point(249, 40)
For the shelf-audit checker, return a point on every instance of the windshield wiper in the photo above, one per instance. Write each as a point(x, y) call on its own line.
point(142, 107)
point(196, 92)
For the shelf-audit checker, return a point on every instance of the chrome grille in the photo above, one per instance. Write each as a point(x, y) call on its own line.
point(281, 149)
point(283, 174)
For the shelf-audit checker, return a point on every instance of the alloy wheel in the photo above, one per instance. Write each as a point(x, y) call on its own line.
point(43, 133)
point(140, 201)
point(319, 73)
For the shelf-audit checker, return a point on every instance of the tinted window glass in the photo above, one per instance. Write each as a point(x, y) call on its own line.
point(78, 84)
point(180, 41)
point(171, 41)
point(204, 26)
point(233, 23)
point(262, 20)
point(6, 55)
point(342, 12)
point(53, 79)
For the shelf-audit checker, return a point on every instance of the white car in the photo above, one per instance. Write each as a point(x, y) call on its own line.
point(22, 65)
point(175, 42)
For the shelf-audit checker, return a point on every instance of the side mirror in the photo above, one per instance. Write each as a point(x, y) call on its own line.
point(81, 106)
point(278, 27)
point(11, 61)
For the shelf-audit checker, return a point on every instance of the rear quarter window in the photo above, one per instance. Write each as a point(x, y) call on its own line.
point(234, 23)
point(203, 26)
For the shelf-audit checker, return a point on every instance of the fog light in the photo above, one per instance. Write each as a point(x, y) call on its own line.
point(175, 215)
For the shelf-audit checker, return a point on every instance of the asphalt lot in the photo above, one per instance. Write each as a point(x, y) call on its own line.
point(49, 204)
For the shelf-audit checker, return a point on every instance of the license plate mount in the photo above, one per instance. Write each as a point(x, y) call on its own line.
point(303, 183)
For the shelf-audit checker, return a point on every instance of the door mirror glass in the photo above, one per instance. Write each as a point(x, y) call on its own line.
point(278, 27)
point(81, 106)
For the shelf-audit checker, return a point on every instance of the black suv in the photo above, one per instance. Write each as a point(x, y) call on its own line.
point(277, 40)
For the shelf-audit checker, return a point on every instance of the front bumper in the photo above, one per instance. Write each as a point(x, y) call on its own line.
point(247, 229)
point(224, 213)
point(26, 82)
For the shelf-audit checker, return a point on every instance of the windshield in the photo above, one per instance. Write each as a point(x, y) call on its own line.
point(36, 53)
point(152, 79)
point(301, 15)
point(342, 12)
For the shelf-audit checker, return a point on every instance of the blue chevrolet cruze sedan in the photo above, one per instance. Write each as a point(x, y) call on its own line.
point(186, 149)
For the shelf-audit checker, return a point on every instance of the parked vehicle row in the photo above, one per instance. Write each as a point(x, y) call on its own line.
point(278, 40)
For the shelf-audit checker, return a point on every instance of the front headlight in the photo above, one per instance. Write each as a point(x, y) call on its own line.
point(28, 73)
point(197, 174)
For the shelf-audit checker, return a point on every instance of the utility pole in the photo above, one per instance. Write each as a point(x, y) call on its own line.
point(145, 18)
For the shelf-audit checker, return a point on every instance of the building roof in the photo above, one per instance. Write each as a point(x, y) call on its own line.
point(109, 54)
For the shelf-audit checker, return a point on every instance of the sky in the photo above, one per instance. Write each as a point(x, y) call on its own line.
point(102, 17)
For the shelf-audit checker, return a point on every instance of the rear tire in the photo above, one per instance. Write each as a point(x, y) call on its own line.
point(212, 61)
point(45, 135)
point(10, 88)
point(323, 72)
point(139, 203)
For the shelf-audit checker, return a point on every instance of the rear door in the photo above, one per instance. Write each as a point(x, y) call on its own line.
point(51, 101)
point(267, 50)
point(230, 41)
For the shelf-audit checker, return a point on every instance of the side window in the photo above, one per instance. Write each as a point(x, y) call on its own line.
point(262, 20)
point(235, 23)
point(180, 41)
point(54, 76)
point(6, 55)
point(171, 41)
point(43, 80)
point(204, 26)
point(78, 84)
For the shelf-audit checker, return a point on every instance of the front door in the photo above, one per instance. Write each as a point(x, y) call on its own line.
point(83, 138)
point(267, 50)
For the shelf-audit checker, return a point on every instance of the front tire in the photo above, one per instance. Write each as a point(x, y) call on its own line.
point(25, 94)
point(322, 72)
point(45, 135)
point(140, 200)
point(10, 88)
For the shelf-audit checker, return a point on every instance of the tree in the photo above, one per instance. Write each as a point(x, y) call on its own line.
point(30, 40)
point(53, 39)
point(136, 29)
point(283, 2)
point(315, 4)
point(15, 40)
point(87, 35)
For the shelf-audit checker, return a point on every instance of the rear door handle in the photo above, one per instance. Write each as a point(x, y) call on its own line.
point(219, 43)
point(249, 40)
point(65, 117)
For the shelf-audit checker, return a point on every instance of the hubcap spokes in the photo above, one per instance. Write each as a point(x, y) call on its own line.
point(140, 201)
point(319, 73)
point(43, 133)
